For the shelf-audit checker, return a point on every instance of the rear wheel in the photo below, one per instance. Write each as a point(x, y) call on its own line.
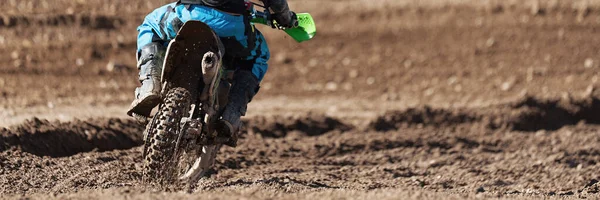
point(162, 136)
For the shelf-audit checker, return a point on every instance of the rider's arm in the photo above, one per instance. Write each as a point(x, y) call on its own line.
point(281, 12)
point(277, 6)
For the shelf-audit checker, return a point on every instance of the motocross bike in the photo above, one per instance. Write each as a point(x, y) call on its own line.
point(180, 141)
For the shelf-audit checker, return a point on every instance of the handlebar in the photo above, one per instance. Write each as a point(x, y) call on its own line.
point(267, 19)
point(303, 29)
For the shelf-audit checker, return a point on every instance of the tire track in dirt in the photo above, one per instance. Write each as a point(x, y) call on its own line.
point(66, 182)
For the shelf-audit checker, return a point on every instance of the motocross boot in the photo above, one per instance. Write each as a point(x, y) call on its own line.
point(147, 96)
point(245, 86)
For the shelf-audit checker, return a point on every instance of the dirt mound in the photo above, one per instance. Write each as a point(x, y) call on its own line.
point(429, 157)
point(45, 138)
point(310, 125)
point(56, 139)
point(425, 116)
point(528, 114)
point(552, 114)
point(82, 20)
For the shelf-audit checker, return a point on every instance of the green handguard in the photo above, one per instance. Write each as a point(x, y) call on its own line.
point(305, 31)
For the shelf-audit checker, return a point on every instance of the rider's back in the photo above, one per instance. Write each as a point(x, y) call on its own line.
point(237, 6)
point(231, 6)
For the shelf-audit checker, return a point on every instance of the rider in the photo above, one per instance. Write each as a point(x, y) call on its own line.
point(246, 50)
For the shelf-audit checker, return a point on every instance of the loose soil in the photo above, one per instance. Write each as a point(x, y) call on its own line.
point(393, 99)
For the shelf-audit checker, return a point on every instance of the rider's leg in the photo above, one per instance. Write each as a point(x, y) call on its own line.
point(245, 85)
point(147, 96)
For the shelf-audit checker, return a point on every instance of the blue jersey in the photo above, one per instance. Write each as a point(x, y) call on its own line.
point(243, 43)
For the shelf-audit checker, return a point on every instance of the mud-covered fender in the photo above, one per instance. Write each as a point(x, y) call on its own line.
point(183, 59)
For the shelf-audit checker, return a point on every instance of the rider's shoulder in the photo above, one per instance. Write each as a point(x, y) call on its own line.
point(166, 7)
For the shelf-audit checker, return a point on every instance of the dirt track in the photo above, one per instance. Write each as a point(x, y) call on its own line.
point(412, 99)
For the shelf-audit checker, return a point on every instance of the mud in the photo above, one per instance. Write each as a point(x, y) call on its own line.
point(410, 99)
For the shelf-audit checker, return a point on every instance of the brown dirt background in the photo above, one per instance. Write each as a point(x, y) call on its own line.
point(394, 99)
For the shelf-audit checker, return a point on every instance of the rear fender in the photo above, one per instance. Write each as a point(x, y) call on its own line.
point(183, 59)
